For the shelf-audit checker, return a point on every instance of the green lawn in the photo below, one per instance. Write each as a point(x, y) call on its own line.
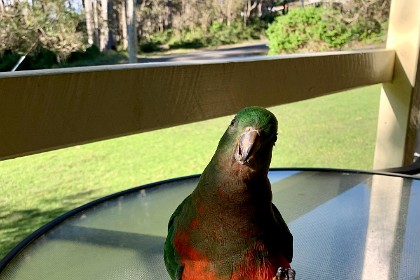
point(334, 131)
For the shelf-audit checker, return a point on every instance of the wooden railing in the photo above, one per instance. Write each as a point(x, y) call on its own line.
point(43, 110)
point(50, 109)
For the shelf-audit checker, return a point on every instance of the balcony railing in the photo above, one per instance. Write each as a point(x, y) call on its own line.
point(50, 109)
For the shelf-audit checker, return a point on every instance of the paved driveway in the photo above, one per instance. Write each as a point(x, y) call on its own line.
point(243, 50)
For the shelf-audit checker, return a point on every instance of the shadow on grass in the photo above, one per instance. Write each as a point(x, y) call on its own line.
point(17, 224)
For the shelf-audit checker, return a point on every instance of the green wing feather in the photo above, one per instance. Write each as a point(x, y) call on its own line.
point(171, 257)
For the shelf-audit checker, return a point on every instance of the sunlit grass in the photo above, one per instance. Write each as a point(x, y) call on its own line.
point(334, 131)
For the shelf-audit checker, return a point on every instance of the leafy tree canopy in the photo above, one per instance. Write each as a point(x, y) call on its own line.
point(47, 24)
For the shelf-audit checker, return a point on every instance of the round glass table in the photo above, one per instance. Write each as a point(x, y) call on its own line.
point(346, 225)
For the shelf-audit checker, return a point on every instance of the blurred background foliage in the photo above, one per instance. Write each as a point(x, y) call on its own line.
point(62, 33)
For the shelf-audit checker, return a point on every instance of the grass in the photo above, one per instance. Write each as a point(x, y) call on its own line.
point(333, 131)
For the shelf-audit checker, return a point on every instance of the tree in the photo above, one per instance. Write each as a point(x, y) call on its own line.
point(103, 23)
point(48, 24)
point(27, 25)
point(90, 28)
point(98, 22)
point(365, 16)
point(249, 7)
point(122, 20)
point(132, 31)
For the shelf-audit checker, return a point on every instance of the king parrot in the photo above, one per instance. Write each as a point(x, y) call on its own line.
point(228, 228)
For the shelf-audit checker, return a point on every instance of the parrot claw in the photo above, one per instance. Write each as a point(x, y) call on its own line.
point(285, 274)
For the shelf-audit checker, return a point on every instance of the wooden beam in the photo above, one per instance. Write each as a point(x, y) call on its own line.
point(45, 110)
point(399, 105)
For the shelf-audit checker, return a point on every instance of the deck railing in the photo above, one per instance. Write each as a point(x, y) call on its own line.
point(49, 109)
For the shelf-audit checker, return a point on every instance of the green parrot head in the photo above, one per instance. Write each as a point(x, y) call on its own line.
point(248, 141)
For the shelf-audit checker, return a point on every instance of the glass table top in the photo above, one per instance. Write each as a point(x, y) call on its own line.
point(346, 225)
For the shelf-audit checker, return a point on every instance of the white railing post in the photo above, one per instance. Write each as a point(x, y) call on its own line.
point(397, 122)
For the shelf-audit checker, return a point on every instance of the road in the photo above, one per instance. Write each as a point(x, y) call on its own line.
point(243, 50)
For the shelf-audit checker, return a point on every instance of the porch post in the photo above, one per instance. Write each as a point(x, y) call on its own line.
point(399, 104)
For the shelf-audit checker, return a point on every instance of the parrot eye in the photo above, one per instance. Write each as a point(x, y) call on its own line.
point(232, 123)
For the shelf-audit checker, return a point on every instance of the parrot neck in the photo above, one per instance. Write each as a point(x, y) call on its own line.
point(236, 185)
point(231, 169)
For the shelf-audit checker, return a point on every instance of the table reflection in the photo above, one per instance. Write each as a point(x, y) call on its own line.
point(346, 225)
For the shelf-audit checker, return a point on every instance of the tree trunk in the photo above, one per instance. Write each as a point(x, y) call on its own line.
point(122, 16)
point(248, 9)
point(132, 31)
point(168, 15)
point(89, 20)
point(1, 7)
point(95, 23)
point(229, 13)
point(104, 30)
point(113, 25)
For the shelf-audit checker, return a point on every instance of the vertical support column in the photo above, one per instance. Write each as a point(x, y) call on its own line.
point(397, 122)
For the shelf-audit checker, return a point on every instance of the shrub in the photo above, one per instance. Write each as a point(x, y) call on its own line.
point(318, 29)
point(292, 32)
point(188, 40)
point(333, 31)
point(149, 47)
point(156, 41)
point(8, 60)
point(90, 54)
point(41, 59)
point(217, 34)
point(367, 30)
